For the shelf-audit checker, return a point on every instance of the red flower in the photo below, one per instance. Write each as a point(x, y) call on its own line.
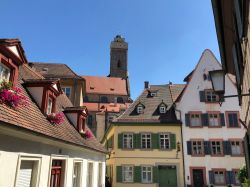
point(56, 118)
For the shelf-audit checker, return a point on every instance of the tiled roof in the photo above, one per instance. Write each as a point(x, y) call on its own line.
point(105, 85)
point(166, 94)
point(109, 107)
point(53, 70)
point(31, 118)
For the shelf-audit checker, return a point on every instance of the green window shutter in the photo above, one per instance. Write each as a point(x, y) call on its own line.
point(222, 119)
point(202, 96)
point(120, 141)
point(211, 177)
point(155, 141)
point(137, 174)
point(118, 173)
point(155, 174)
point(187, 119)
point(137, 141)
point(173, 141)
point(204, 119)
point(189, 147)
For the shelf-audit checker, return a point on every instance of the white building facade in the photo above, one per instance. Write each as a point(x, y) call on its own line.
point(212, 133)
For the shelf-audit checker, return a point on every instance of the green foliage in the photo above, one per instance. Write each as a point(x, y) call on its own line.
point(242, 175)
point(246, 183)
point(4, 85)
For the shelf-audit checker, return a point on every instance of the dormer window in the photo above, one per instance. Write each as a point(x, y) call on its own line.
point(153, 94)
point(67, 91)
point(162, 109)
point(4, 73)
point(140, 109)
point(49, 106)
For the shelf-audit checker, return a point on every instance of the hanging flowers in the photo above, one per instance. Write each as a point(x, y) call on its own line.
point(56, 118)
point(86, 134)
point(12, 97)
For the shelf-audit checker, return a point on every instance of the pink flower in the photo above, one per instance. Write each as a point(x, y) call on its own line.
point(56, 118)
point(88, 134)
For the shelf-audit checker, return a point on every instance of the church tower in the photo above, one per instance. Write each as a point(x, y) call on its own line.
point(119, 58)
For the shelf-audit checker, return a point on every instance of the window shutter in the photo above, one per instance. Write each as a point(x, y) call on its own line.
point(173, 141)
point(222, 119)
point(120, 141)
point(229, 177)
point(118, 173)
point(238, 18)
point(137, 174)
point(204, 119)
point(155, 174)
point(226, 148)
point(207, 148)
point(202, 96)
point(189, 147)
point(233, 177)
point(187, 119)
point(137, 141)
point(211, 177)
point(25, 174)
point(155, 141)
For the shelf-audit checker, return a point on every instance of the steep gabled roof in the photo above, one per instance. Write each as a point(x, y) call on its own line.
point(151, 113)
point(54, 70)
point(31, 118)
point(105, 85)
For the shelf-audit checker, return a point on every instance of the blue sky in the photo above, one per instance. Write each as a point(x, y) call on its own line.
point(166, 37)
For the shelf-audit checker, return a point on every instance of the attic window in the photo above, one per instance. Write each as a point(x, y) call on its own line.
point(140, 109)
point(153, 94)
point(162, 109)
point(4, 73)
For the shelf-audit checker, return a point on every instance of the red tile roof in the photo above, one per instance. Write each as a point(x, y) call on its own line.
point(31, 118)
point(105, 85)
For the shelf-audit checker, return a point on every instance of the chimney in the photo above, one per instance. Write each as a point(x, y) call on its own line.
point(146, 84)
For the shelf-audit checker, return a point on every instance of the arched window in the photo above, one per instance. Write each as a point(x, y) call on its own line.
point(104, 99)
point(119, 64)
point(119, 100)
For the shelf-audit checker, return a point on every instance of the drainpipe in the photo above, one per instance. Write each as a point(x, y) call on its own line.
point(182, 145)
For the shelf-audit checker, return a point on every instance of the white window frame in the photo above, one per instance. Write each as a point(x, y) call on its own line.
point(65, 91)
point(212, 96)
point(147, 172)
point(237, 149)
point(79, 184)
point(195, 120)
point(214, 121)
point(131, 169)
point(92, 174)
point(146, 139)
point(139, 109)
point(100, 174)
point(198, 147)
point(35, 173)
point(49, 105)
point(217, 146)
point(2, 69)
point(166, 140)
point(162, 109)
point(219, 173)
point(125, 135)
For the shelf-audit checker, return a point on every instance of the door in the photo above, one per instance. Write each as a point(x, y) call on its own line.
point(198, 180)
point(167, 176)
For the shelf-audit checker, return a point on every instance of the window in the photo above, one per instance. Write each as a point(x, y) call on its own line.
point(4, 73)
point(232, 119)
point(216, 147)
point(139, 109)
point(56, 173)
point(86, 99)
point(146, 141)
point(162, 109)
point(90, 120)
point(213, 120)
point(197, 148)
point(128, 141)
point(127, 173)
point(49, 106)
point(219, 177)
point(77, 174)
point(164, 141)
point(153, 94)
point(195, 120)
point(146, 174)
point(236, 147)
point(104, 99)
point(67, 91)
point(27, 173)
point(90, 175)
point(120, 100)
point(211, 96)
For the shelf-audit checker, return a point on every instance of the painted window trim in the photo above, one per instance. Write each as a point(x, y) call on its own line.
point(169, 141)
point(90, 162)
point(219, 119)
point(241, 147)
point(227, 118)
point(70, 88)
point(81, 170)
point(127, 133)
point(128, 165)
point(211, 102)
point(143, 133)
point(28, 157)
point(221, 146)
point(147, 182)
point(195, 113)
point(219, 170)
point(202, 147)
